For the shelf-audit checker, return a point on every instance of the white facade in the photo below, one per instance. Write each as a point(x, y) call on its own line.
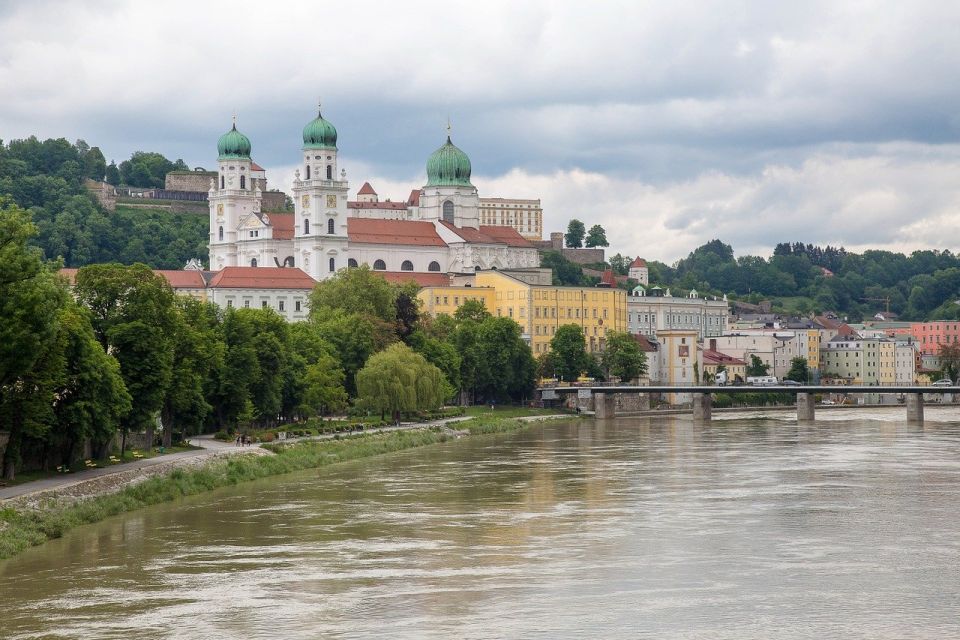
point(649, 314)
point(906, 362)
point(292, 304)
point(232, 203)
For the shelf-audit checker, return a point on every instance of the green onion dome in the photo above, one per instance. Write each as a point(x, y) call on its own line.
point(319, 134)
point(448, 166)
point(234, 144)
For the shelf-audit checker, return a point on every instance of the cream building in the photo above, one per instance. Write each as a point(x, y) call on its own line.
point(526, 216)
point(652, 310)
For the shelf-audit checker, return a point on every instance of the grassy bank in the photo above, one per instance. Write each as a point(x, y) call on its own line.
point(23, 528)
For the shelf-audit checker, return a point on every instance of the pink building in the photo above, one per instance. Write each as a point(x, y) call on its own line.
point(931, 335)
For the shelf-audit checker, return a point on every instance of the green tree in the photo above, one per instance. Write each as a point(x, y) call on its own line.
point(623, 357)
point(323, 386)
point(398, 381)
point(757, 367)
point(358, 290)
point(570, 353)
point(620, 264)
point(799, 371)
point(597, 237)
point(112, 174)
point(565, 272)
point(950, 361)
point(505, 368)
point(471, 310)
point(94, 164)
point(575, 232)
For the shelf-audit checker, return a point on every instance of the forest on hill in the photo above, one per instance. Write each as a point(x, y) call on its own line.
point(46, 178)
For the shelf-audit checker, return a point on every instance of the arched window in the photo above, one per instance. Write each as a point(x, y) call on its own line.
point(352, 263)
point(448, 211)
point(434, 266)
point(306, 227)
point(406, 266)
point(379, 265)
point(329, 172)
point(333, 265)
point(222, 179)
point(308, 172)
point(221, 234)
point(243, 182)
point(253, 262)
point(330, 226)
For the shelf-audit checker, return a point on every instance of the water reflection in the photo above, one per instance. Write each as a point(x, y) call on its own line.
point(746, 528)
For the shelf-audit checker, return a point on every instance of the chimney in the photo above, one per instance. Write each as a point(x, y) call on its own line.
point(713, 344)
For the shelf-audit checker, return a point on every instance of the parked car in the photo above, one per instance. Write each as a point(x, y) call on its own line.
point(791, 383)
point(943, 382)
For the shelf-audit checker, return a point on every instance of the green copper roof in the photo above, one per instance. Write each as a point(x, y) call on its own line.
point(319, 134)
point(448, 166)
point(234, 144)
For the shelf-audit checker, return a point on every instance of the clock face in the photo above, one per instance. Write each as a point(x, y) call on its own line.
point(305, 201)
point(331, 202)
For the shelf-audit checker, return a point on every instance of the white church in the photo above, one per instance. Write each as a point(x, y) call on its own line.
point(438, 234)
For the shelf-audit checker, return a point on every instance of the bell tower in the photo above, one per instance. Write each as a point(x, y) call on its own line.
point(232, 197)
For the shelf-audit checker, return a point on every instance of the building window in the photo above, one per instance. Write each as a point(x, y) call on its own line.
point(280, 305)
point(306, 227)
point(379, 265)
point(330, 226)
point(448, 211)
point(406, 266)
point(243, 182)
point(352, 263)
point(263, 304)
point(229, 304)
point(253, 262)
point(333, 265)
point(246, 304)
point(221, 234)
point(329, 172)
point(434, 266)
point(308, 172)
point(296, 306)
point(222, 181)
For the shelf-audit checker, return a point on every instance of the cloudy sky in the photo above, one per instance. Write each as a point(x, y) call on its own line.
point(668, 123)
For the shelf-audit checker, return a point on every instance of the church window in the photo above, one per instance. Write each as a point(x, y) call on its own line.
point(434, 266)
point(406, 266)
point(253, 262)
point(333, 265)
point(448, 211)
point(221, 234)
point(222, 181)
point(330, 226)
point(329, 172)
point(243, 182)
point(308, 172)
point(379, 265)
point(306, 227)
point(352, 263)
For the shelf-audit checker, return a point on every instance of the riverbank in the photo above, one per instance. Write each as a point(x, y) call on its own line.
point(33, 519)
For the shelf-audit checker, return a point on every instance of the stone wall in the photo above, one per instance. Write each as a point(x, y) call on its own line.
point(105, 193)
point(196, 181)
point(273, 201)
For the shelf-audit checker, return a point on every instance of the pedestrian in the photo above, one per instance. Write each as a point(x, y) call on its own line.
point(238, 440)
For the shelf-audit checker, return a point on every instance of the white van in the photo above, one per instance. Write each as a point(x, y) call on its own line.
point(762, 381)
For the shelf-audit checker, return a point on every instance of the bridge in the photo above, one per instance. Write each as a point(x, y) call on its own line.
point(605, 397)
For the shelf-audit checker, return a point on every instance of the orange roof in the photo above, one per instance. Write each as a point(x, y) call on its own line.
point(507, 235)
point(409, 232)
point(431, 279)
point(644, 342)
point(70, 275)
point(261, 278)
point(182, 279)
point(255, 167)
point(715, 357)
point(638, 262)
point(376, 205)
point(607, 278)
point(283, 225)
point(414, 198)
point(366, 190)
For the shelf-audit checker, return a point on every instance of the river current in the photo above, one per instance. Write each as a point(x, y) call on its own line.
point(637, 528)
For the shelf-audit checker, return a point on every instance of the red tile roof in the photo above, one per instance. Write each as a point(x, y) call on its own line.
point(431, 279)
point(507, 235)
point(283, 225)
point(644, 342)
point(715, 357)
point(607, 278)
point(638, 262)
point(376, 205)
point(410, 232)
point(261, 278)
point(182, 279)
point(366, 190)
point(255, 167)
point(414, 198)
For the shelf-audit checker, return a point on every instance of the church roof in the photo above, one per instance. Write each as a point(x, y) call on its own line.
point(507, 235)
point(638, 262)
point(405, 232)
point(377, 205)
point(283, 225)
point(366, 190)
point(261, 278)
point(255, 167)
point(431, 279)
point(414, 198)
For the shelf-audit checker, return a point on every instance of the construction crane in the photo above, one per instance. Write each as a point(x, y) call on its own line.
point(887, 300)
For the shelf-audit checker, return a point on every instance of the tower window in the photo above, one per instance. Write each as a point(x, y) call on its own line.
point(330, 226)
point(253, 262)
point(333, 265)
point(380, 265)
point(306, 227)
point(406, 266)
point(329, 172)
point(221, 234)
point(243, 182)
point(308, 172)
point(448, 211)
point(434, 266)
point(222, 181)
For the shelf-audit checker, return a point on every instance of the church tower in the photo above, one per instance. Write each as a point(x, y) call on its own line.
point(448, 195)
point(233, 198)
point(320, 203)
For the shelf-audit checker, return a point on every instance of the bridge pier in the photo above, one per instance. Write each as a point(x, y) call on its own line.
point(914, 408)
point(806, 403)
point(604, 406)
point(702, 407)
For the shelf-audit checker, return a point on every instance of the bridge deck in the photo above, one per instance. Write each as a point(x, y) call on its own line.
point(757, 389)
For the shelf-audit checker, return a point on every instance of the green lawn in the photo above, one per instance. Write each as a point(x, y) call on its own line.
point(509, 412)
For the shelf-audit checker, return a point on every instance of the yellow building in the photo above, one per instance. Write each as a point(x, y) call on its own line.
point(538, 309)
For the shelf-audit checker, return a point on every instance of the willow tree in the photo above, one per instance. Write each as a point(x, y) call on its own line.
point(398, 380)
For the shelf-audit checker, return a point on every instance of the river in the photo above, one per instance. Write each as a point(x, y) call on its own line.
point(638, 528)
